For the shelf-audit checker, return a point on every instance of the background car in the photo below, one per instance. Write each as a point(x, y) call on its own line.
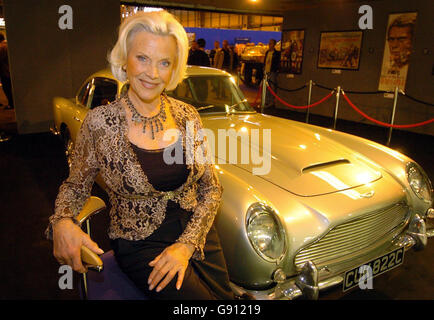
point(329, 202)
point(252, 63)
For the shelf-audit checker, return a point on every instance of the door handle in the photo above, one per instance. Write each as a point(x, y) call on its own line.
point(76, 119)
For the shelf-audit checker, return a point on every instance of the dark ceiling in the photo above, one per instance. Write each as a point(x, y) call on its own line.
point(272, 7)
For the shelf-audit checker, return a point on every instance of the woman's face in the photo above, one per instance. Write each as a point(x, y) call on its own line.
point(150, 62)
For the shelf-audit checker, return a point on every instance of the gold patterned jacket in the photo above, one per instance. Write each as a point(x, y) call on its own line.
point(137, 209)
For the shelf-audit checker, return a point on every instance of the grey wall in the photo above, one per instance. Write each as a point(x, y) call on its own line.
point(344, 17)
point(46, 61)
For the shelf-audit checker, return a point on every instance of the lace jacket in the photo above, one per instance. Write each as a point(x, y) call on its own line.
point(103, 147)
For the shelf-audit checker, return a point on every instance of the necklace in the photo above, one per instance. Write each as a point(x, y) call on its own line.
point(154, 122)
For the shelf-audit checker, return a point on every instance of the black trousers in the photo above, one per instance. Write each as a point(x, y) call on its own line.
point(203, 280)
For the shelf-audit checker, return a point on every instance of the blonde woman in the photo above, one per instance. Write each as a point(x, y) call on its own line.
point(161, 217)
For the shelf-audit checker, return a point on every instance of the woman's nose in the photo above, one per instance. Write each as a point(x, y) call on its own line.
point(152, 71)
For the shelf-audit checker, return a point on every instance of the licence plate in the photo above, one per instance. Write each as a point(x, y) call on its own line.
point(377, 266)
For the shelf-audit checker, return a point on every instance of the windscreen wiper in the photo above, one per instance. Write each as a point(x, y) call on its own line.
point(230, 109)
point(206, 107)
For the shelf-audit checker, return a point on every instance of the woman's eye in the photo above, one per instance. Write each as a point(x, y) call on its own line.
point(165, 63)
point(142, 58)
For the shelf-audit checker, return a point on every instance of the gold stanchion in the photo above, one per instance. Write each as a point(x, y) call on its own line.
point(309, 98)
point(338, 93)
point(264, 92)
point(392, 118)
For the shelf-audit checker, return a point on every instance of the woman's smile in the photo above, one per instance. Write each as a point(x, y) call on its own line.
point(149, 85)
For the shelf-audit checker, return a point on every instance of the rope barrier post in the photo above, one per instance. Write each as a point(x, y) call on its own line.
point(392, 119)
point(264, 92)
point(309, 97)
point(338, 93)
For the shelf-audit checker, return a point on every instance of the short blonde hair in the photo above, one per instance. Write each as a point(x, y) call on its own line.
point(159, 23)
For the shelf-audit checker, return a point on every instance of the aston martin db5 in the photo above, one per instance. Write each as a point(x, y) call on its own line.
point(303, 207)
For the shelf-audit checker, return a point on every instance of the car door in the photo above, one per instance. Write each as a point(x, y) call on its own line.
point(94, 92)
point(78, 113)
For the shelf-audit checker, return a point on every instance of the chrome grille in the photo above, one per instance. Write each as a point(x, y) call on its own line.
point(347, 239)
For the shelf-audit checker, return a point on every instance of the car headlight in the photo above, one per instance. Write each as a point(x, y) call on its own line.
point(265, 232)
point(419, 182)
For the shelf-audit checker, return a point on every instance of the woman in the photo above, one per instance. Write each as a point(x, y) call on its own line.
point(161, 220)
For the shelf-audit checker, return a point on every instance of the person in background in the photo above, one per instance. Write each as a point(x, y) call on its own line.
point(197, 55)
point(230, 58)
point(271, 69)
point(218, 58)
point(5, 76)
point(214, 51)
point(193, 48)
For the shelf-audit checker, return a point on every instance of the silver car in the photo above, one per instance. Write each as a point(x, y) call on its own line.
point(303, 207)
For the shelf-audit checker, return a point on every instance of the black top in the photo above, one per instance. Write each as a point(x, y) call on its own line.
point(162, 176)
point(275, 60)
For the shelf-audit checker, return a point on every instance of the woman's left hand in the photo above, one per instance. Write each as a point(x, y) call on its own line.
point(173, 260)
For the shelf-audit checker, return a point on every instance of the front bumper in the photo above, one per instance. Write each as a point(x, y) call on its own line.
point(311, 281)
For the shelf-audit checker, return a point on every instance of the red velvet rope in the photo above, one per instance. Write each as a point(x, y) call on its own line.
point(383, 123)
point(300, 107)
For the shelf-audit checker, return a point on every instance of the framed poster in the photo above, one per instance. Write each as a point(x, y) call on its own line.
point(397, 50)
point(340, 50)
point(292, 45)
point(191, 37)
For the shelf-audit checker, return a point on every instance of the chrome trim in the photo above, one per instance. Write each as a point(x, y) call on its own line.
point(417, 230)
point(279, 276)
point(405, 241)
point(429, 222)
point(288, 290)
point(251, 214)
point(425, 176)
point(334, 243)
point(307, 281)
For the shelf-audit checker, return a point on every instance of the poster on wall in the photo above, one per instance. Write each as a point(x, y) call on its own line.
point(191, 37)
point(292, 46)
point(340, 50)
point(397, 50)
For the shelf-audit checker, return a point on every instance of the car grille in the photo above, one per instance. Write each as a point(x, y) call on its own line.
point(345, 240)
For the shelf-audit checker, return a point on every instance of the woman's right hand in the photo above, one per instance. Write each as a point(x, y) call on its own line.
point(67, 240)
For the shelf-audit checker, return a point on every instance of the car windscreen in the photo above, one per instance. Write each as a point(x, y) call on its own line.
point(105, 91)
point(211, 94)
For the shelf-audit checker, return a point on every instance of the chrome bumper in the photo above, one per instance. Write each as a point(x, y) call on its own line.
point(307, 283)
